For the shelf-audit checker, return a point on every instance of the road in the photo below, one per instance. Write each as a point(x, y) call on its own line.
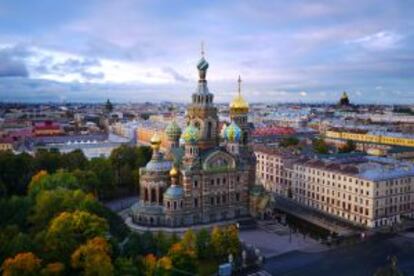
point(360, 259)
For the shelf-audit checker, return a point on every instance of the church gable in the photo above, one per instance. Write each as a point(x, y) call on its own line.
point(218, 160)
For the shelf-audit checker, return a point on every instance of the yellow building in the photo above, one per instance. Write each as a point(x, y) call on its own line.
point(386, 139)
point(6, 144)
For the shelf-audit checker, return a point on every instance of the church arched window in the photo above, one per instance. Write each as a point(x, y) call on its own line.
point(209, 128)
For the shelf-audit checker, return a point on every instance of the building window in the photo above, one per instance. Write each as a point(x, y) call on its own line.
point(196, 202)
point(237, 196)
point(195, 183)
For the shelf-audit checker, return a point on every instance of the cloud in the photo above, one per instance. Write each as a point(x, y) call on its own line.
point(177, 76)
point(12, 61)
point(383, 40)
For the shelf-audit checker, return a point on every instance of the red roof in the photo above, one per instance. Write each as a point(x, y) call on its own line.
point(270, 131)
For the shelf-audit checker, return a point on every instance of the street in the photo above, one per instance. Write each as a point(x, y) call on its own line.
point(361, 259)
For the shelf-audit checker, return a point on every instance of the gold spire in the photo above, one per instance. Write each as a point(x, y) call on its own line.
point(238, 101)
point(239, 81)
point(202, 48)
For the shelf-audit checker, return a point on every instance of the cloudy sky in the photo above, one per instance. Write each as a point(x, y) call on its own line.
point(132, 50)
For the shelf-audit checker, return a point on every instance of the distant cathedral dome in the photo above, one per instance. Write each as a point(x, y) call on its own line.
point(232, 133)
point(344, 99)
point(191, 134)
point(173, 131)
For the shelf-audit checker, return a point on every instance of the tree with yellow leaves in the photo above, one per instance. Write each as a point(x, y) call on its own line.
point(189, 240)
point(53, 269)
point(36, 179)
point(183, 259)
point(69, 229)
point(231, 240)
point(150, 264)
point(217, 242)
point(93, 258)
point(25, 263)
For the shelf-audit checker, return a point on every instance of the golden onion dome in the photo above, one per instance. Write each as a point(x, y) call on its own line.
point(155, 141)
point(238, 102)
point(173, 172)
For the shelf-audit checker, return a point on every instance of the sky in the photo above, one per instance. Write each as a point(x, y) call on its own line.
point(135, 51)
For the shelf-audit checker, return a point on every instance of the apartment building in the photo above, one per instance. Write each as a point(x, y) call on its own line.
point(274, 169)
point(365, 191)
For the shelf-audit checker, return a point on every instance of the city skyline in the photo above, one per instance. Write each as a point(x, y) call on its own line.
point(129, 50)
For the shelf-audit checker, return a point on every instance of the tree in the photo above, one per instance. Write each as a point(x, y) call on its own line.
point(348, 147)
point(320, 146)
point(14, 211)
point(53, 269)
point(217, 242)
point(150, 264)
point(163, 244)
point(69, 229)
point(203, 239)
point(289, 141)
point(25, 263)
point(183, 259)
point(93, 258)
point(74, 160)
point(47, 160)
point(126, 267)
point(104, 172)
point(49, 182)
point(15, 172)
point(164, 266)
point(88, 181)
point(232, 242)
point(189, 240)
point(13, 241)
point(49, 203)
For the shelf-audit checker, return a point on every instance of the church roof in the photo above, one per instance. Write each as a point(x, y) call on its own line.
point(174, 192)
point(238, 101)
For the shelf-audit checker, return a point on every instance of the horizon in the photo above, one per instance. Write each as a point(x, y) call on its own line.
point(127, 51)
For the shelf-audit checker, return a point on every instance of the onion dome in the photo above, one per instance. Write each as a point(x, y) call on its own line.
point(232, 133)
point(173, 172)
point(202, 64)
point(238, 104)
point(174, 192)
point(155, 141)
point(173, 131)
point(158, 166)
point(191, 134)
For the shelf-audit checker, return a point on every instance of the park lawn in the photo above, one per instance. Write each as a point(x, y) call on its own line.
point(207, 267)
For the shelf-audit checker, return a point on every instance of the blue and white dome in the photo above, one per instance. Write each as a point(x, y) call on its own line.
point(232, 133)
point(174, 192)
